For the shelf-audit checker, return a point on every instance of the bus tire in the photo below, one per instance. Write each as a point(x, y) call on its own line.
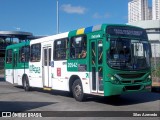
point(77, 90)
point(26, 84)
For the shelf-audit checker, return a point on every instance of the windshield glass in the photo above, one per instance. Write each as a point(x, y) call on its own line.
point(128, 54)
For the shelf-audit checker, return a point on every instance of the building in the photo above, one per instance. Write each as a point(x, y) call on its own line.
point(138, 17)
point(149, 20)
point(12, 37)
point(137, 10)
point(149, 13)
point(152, 28)
point(156, 9)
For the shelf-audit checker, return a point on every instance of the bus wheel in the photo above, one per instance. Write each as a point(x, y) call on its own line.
point(77, 90)
point(26, 84)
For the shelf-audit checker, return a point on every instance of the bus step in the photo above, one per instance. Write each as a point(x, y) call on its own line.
point(47, 88)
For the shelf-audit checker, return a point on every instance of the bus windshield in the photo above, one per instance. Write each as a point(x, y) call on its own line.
point(128, 54)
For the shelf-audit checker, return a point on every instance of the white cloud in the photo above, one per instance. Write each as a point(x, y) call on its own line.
point(68, 8)
point(99, 16)
point(107, 15)
point(17, 28)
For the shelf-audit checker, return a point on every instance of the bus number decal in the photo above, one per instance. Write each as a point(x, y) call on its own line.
point(71, 65)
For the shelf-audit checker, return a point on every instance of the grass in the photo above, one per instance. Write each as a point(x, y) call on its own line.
point(156, 72)
point(156, 77)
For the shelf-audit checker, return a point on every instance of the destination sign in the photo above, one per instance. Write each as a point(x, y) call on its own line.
point(125, 31)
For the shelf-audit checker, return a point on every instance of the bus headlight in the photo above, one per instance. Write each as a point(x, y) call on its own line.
point(114, 80)
point(149, 76)
point(148, 79)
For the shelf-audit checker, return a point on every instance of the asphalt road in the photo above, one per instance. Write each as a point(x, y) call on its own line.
point(14, 98)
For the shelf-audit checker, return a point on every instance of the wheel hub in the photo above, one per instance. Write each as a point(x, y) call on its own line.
point(78, 90)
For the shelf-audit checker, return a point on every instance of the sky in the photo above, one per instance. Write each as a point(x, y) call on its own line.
point(39, 16)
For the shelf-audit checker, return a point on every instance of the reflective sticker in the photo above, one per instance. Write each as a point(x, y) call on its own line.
point(80, 31)
point(88, 30)
point(58, 71)
point(96, 28)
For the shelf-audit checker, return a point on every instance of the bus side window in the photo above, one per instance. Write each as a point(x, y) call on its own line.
point(35, 53)
point(24, 54)
point(9, 57)
point(60, 49)
point(78, 47)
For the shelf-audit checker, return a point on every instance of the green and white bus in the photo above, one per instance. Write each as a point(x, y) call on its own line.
point(105, 60)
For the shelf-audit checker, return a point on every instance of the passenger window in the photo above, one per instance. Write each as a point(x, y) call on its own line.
point(35, 54)
point(24, 54)
point(60, 49)
point(78, 47)
point(9, 57)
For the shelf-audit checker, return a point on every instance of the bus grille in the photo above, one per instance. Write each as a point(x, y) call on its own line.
point(132, 75)
point(131, 81)
point(135, 87)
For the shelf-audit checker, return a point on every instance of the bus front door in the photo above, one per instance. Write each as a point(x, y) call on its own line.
point(96, 66)
point(15, 70)
point(46, 67)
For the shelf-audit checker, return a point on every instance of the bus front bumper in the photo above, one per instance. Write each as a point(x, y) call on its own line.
point(117, 89)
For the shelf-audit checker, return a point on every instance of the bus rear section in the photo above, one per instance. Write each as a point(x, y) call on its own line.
point(17, 62)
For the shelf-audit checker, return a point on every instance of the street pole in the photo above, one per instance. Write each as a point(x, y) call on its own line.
point(57, 17)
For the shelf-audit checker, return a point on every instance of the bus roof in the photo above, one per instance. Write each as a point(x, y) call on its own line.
point(101, 27)
point(48, 38)
point(18, 45)
point(95, 28)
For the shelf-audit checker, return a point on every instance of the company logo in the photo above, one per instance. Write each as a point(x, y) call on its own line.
point(21, 115)
point(95, 36)
point(6, 114)
point(34, 69)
